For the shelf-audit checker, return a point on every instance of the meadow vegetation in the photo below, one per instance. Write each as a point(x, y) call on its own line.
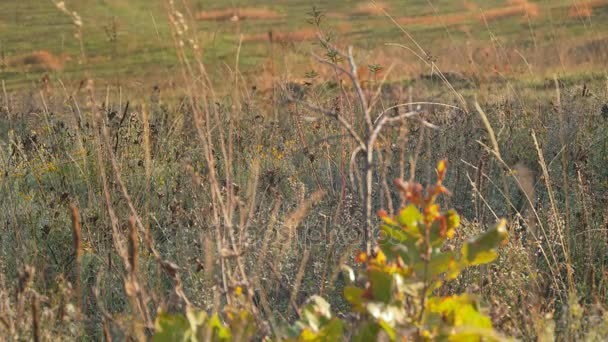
point(194, 171)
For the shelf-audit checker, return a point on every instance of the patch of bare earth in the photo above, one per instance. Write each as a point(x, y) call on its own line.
point(237, 14)
point(41, 60)
point(513, 8)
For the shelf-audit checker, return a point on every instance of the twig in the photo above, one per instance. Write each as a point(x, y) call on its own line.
point(332, 114)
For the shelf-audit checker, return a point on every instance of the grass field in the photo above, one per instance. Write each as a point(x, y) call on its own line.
point(161, 161)
point(130, 42)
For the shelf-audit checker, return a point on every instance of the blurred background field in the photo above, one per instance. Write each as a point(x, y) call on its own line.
point(129, 42)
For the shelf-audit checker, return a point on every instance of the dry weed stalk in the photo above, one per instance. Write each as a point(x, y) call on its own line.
point(147, 144)
point(285, 237)
point(77, 245)
point(25, 279)
point(565, 152)
point(298, 281)
point(133, 246)
point(525, 177)
point(77, 22)
point(36, 318)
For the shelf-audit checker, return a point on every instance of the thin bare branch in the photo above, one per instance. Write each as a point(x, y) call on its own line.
point(357, 84)
point(332, 114)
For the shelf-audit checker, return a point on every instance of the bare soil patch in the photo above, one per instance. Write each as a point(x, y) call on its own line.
point(514, 8)
point(41, 60)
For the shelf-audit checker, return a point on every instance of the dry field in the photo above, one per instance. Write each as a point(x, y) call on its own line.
point(272, 170)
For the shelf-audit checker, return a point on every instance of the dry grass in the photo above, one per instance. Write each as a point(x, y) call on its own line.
point(585, 9)
point(237, 14)
point(231, 195)
point(40, 60)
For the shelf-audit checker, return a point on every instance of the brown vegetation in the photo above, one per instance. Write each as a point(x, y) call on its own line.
point(41, 60)
point(236, 14)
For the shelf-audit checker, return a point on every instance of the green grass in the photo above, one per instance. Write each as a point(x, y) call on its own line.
point(143, 45)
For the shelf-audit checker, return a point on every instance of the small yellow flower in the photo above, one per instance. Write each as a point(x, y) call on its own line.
point(380, 257)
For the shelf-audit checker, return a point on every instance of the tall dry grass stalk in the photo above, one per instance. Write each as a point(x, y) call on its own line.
point(263, 253)
point(78, 25)
point(77, 246)
point(496, 151)
point(106, 331)
point(298, 280)
point(145, 115)
point(36, 328)
point(556, 217)
point(295, 217)
point(25, 278)
point(586, 216)
point(565, 152)
point(525, 177)
point(553, 263)
point(133, 246)
point(286, 236)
